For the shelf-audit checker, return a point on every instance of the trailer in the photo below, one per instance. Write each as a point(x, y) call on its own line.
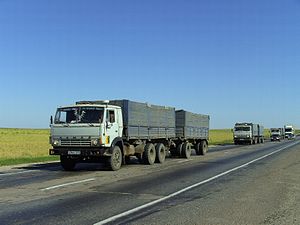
point(117, 130)
point(250, 133)
point(192, 131)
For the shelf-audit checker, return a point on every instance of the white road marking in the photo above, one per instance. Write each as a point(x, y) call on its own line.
point(14, 173)
point(184, 160)
point(67, 184)
point(127, 213)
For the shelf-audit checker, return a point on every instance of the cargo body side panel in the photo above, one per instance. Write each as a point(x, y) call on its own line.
point(191, 125)
point(144, 121)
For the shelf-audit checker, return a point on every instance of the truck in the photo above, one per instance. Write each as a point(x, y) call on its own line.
point(114, 131)
point(289, 131)
point(276, 134)
point(250, 133)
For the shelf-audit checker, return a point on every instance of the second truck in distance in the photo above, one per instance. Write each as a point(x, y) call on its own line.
point(115, 130)
point(249, 133)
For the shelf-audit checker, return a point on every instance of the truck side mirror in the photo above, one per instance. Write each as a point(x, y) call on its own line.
point(51, 120)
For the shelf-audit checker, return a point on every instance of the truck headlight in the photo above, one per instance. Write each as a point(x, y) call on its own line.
point(94, 142)
point(55, 142)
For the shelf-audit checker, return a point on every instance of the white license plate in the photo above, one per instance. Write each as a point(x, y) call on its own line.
point(74, 152)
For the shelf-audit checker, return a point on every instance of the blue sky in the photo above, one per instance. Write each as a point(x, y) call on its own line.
point(236, 60)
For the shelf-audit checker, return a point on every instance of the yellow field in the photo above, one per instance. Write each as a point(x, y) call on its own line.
point(25, 144)
point(220, 136)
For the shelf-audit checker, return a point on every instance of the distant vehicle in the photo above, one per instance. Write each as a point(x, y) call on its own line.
point(289, 131)
point(250, 133)
point(276, 134)
point(90, 131)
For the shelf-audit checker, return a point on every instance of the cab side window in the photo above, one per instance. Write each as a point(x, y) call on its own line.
point(111, 116)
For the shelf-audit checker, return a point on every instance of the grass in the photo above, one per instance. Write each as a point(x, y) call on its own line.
point(19, 146)
point(220, 137)
point(24, 145)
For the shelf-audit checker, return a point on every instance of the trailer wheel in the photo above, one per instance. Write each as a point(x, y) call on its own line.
point(115, 160)
point(186, 150)
point(198, 148)
point(160, 153)
point(179, 149)
point(67, 163)
point(204, 147)
point(149, 154)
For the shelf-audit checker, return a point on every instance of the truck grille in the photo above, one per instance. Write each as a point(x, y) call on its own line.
point(75, 142)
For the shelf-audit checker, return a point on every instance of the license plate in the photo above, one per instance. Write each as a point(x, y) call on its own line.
point(74, 152)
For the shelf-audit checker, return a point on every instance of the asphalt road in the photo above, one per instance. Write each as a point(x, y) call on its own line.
point(258, 184)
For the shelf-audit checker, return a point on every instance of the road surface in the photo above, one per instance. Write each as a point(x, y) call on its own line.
point(257, 184)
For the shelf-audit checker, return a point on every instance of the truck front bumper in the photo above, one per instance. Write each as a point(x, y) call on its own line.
point(80, 152)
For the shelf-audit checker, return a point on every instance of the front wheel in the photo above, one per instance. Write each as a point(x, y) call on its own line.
point(115, 160)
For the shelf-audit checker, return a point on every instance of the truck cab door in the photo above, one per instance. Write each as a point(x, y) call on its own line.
point(112, 127)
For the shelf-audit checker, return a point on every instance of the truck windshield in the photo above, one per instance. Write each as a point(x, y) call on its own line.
point(242, 128)
point(79, 115)
point(288, 129)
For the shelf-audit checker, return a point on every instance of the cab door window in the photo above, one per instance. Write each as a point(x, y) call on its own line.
point(111, 116)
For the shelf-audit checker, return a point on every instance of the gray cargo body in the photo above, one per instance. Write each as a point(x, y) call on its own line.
point(191, 125)
point(145, 121)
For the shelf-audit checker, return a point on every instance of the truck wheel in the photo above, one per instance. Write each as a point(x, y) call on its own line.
point(149, 154)
point(198, 148)
point(203, 147)
point(160, 153)
point(186, 150)
point(67, 163)
point(179, 149)
point(115, 160)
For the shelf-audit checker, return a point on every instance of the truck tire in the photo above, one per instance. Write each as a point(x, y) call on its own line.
point(160, 153)
point(186, 150)
point(203, 147)
point(67, 163)
point(114, 162)
point(198, 148)
point(149, 154)
point(179, 149)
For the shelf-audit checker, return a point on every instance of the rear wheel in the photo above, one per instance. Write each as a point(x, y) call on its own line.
point(149, 154)
point(67, 163)
point(179, 149)
point(186, 150)
point(198, 148)
point(160, 153)
point(115, 160)
point(203, 147)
